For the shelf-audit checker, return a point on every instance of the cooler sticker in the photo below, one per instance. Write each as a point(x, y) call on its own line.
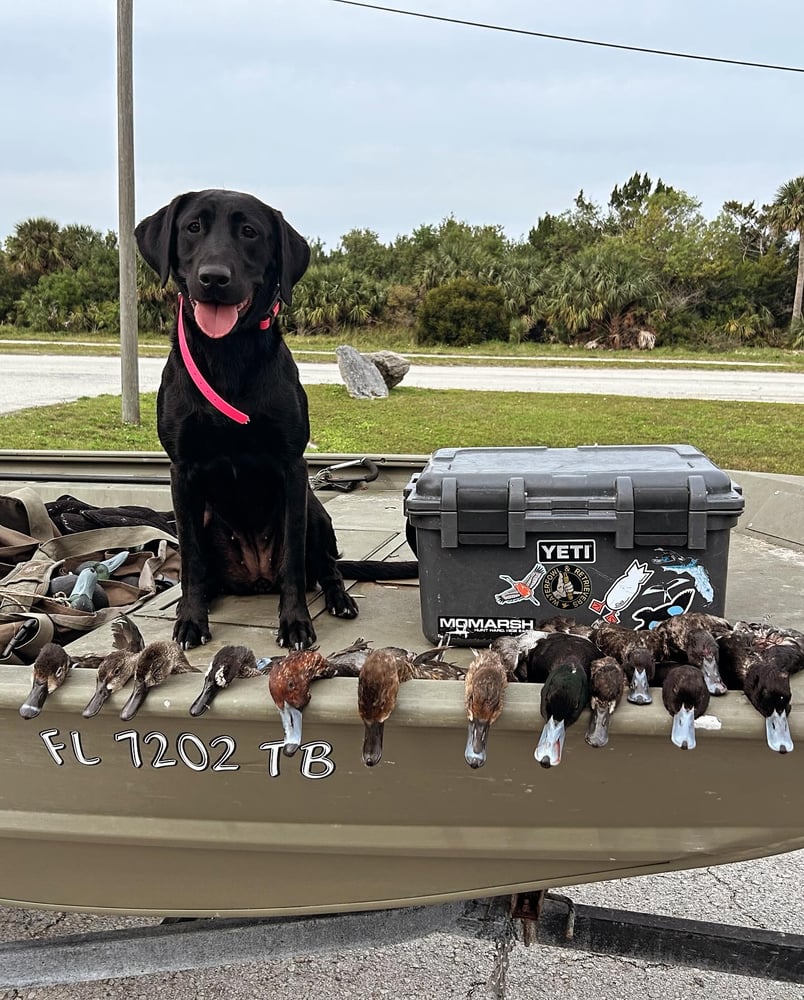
point(567, 586)
point(674, 562)
point(521, 590)
point(480, 626)
point(566, 550)
point(622, 592)
point(674, 599)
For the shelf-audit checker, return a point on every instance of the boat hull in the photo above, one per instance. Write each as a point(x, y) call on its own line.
point(170, 814)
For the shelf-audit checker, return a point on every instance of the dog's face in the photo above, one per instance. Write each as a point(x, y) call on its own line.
point(228, 252)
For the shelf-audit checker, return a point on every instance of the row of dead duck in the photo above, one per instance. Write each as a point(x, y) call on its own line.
point(579, 667)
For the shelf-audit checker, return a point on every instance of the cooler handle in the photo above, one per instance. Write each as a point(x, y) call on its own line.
point(696, 516)
point(624, 507)
point(516, 512)
point(449, 512)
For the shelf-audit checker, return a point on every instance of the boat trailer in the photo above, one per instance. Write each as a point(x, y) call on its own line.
point(535, 918)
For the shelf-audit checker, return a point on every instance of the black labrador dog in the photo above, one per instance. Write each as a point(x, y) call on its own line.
point(232, 417)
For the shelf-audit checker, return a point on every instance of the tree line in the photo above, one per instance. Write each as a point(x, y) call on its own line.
point(648, 261)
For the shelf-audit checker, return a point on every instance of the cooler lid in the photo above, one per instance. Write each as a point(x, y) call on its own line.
point(635, 484)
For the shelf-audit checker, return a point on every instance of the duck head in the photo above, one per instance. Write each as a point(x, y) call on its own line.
point(49, 671)
point(639, 665)
point(156, 662)
point(703, 651)
point(767, 687)
point(607, 683)
point(229, 663)
point(114, 672)
point(565, 694)
point(377, 690)
point(686, 698)
point(484, 686)
point(289, 683)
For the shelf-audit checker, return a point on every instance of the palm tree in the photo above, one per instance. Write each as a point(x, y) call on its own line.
point(35, 247)
point(786, 215)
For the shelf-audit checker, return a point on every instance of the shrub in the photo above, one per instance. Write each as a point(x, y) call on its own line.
point(462, 312)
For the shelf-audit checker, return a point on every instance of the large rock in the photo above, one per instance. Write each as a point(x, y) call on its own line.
point(392, 366)
point(361, 378)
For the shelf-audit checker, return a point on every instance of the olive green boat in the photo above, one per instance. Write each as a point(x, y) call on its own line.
point(174, 815)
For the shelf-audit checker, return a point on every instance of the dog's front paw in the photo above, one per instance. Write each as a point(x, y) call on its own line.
point(339, 603)
point(296, 634)
point(189, 632)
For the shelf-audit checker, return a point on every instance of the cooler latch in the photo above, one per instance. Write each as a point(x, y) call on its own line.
point(624, 507)
point(696, 517)
point(449, 512)
point(516, 512)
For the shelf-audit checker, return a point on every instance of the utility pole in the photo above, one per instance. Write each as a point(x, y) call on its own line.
point(129, 370)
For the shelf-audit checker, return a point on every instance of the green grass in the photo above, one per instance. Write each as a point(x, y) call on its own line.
point(758, 437)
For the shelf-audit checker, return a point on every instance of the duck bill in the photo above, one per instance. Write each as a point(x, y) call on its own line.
point(134, 703)
point(551, 744)
point(597, 735)
point(36, 699)
point(714, 682)
point(292, 728)
point(205, 699)
point(97, 701)
point(477, 740)
point(777, 730)
point(683, 732)
point(639, 689)
point(372, 743)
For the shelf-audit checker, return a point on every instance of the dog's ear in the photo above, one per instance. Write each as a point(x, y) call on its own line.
point(156, 238)
point(295, 256)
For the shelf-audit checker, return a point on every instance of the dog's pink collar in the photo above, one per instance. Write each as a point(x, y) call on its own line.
point(201, 383)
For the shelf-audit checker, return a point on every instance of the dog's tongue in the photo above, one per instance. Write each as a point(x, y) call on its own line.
point(215, 320)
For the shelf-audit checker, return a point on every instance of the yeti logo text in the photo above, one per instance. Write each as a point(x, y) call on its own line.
point(573, 550)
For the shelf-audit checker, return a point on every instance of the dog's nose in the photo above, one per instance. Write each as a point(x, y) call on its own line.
point(214, 275)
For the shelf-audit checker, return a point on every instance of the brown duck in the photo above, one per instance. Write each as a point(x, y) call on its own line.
point(686, 697)
point(606, 687)
point(116, 669)
point(154, 665)
point(484, 687)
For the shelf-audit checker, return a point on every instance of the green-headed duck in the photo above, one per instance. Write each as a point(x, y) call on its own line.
point(606, 687)
point(686, 697)
point(226, 666)
point(289, 683)
point(378, 683)
point(558, 648)
point(565, 694)
point(484, 687)
point(116, 669)
point(49, 671)
point(154, 664)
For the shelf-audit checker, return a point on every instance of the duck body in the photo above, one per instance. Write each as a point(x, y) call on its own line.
point(377, 688)
point(227, 665)
point(606, 686)
point(157, 661)
point(693, 638)
point(637, 651)
point(484, 695)
point(565, 694)
point(685, 695)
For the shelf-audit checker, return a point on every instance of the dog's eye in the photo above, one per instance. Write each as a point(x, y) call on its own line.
point(194, 227)
point(250, 232)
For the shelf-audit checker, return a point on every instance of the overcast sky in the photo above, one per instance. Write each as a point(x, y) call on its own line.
point(343, 117)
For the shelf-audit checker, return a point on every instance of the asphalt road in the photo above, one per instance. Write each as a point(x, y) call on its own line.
point(36, 380)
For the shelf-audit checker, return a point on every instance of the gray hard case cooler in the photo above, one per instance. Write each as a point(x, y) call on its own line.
point(507, 537)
